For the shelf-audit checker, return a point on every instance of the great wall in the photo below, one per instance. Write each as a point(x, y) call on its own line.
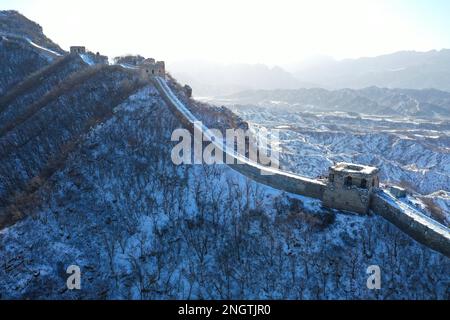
point(349, 187)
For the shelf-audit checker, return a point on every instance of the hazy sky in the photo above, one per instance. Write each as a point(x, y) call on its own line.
point(254, 31)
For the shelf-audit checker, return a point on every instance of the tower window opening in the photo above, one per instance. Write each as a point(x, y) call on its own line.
point(348, 181)
point(364, 183)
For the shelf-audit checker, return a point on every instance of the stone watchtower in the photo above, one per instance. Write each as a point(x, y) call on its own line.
point(77, 50)
point(350, 187)
point(150, 67)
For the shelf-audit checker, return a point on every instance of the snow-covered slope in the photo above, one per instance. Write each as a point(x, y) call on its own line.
point(35, 86)
point(18, 59)
point(427, 103)
point(142, 228)
point(33, 142)
point(87, 179)
point(411, 152)
point(15, 24)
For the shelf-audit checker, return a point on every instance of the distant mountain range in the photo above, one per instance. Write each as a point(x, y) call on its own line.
point(406, 69)
point(214, 79)
point(428, 103)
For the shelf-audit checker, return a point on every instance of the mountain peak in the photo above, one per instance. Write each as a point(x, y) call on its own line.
point(13, 23)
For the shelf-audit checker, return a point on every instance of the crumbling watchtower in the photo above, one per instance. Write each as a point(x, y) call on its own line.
point(350, 187)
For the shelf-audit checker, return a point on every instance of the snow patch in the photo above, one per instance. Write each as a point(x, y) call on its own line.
point(87, 59)
point(42, 48)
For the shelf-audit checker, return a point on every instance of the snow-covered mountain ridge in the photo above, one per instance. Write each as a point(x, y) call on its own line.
point(88, 180)
point(410, 152)
point(426, 103)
